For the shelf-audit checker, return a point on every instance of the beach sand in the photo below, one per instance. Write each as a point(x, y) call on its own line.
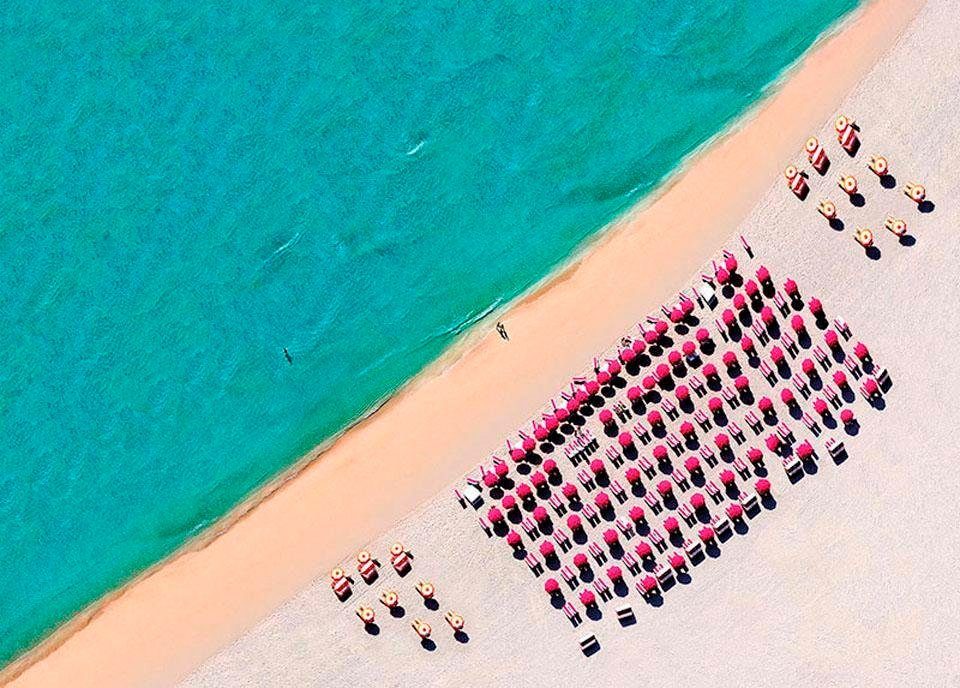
point(842, 592)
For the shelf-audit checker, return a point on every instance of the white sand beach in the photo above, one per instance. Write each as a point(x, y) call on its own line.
point(846, 581)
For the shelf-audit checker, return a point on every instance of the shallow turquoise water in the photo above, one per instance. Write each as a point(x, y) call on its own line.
point(186, 191)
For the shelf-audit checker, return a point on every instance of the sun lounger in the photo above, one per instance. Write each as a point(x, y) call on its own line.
point(473, 496)
point(696, 384)
point(720, 524)
point(792, 466)
point(852, 366)
point(749, 502)
point(788, 344)
point(753, 421)
point(882, 376)
point(618, 492)
point(714, 491)
point(569, 577)
point(625, 527)
point(625, 615)
point(709, 457)
point(780, 303)
point(686, 513)
point(589, 644)
point(835, 448)
point(800, 384)
point(656, 538)
point(630, 561)
point(784, 431)
point(680, 478)
point(665, 575)
point(652, 502)
point(590, 514)
point(811, 423)
point(707, 294)
point(669, 409)
point(721, 330)
point(559, 508)
point(602, 589)
point(736, 433)
point(674, 443)
point(832, 396)
point(562, 539)
point(641, 432)
point(573, 615)
point(741, 467)
point(460, 498)
point(760, 333)
point(702, 419)
point(648, 468)
point(485, 525)
point(597, 553)
point(533, 562)
point(822, 358)
point(729, 396)
point(693, 549)
point(841, 325)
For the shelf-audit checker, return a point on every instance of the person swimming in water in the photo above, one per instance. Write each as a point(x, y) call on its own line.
point(287, 355)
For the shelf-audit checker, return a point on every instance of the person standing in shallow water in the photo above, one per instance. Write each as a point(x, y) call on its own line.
point(503, 332)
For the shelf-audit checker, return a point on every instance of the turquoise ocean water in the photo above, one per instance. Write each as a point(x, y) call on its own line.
point(186, 190)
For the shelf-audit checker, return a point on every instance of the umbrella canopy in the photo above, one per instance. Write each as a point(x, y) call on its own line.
point(722, 276)
point(569, 490)
point(551, 586)
point(614, 368)
point(765, 404)
point(727, 477)
point(687, 306)
point(660, 452)
point(603, 377)
point(651, 337)
point(649, 382)
point(606, 416)
point(597, 467)
point(513, 538)
point(494, 515)
point(674, 358)
point(662, 371)
point(610, 536)
point(687, 429)
point(729, 359)
point(730, 263)
point(509, 502)
point(643, 549)
point(871, 387)
point(746, 344)
point(763, 275)
point(573, 404)
point(677, 561)
point(706, 534)
point(751, 288)
point(547, 549)
point(741, 383)
point(754, 455)
point(808, 367)
point(602, 500)
point(540, 514)
point(766, 315)
point(840, 378)
point(550, 466)
point(728, 317)
point(739, 301)
point(582, 396)
point(683, 393)
point(860, 350)
point(654, 418)
point(715, 404)
point(661, 327)
point(831, 338)
point(634, 393)
point(638, 346)
point(671, 525)
point(816, 307)
point(540, 432)
point(734, 511)
point(587, 598)
point(614, 573)
point(805, 450)
point(762, 486)
point(692, 464)
point(551, 422)
point(633, 475)
point(721, 440)
point(773, 443)
point(627, 355)
point(676, 315)
point(790, 287)
point(501, 469)
point(820, 406)
point(697, 501)
point(518, 455)
point(688, 348)
point(846, 416)
point(786, 396)
point(490, 479)
point(573, 522)
point(592, 387)
point(636, 514)
point(649, 584)
point(625, 439)
point(580, 560)
point(561, 414)
point(524, 491)
point(529, 444)
point(702, 335)
point(664, 487)
point(709, 370)
point(796, 323)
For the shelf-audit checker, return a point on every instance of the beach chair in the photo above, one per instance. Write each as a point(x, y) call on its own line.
point(697, 385)
point(669, 409)
point(800, 384)
point(852, 366)
point(597, 553)
point(473, 496)
point(707, 294)
point(652, 502)
point(573, 615)
point(768, 373)
point(721, 330)
point(741, 467)
point(485, 525)
point(534, 564)
point(785, 433)
point(625, 527)
point(708, 456)
point(811, 424)
point(569, 577)
point(702, 420)
point(882, 376)
point(625, 615)
point(656, 539)
point(759, 333)
point(832, 396)
point(693, 549)
point(821, 357)
point(680, 478)
point(714, 491)
point(841, 326)
point(721, 525)
point(619, 493)
point(788, 344)
point(736, 433)
point(646, 466)
point(686, 513)
point(589, 644)
point(749, 502)
point(586, 479)
point(835, 448)
point(460, 498)
point(602, 589)
point(780, 303)
point(559, 508)
point(665, 575)
point(753, 421)
point(729, 396)
point(641, 432)
point(630, 561)
point(589, 513)
point(674, 443)
point(561, 538)
point(792, 466)
point(530, 528)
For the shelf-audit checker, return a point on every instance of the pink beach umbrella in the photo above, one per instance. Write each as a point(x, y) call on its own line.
point(501, 469)
point(551, 422)
point(580, 560)
point(815, 307)
point(697, 501)
point(766, 315)
point(765, 404)
point(509, 502)
point(860, 351)
point(602, 500)
point(573, 404)
point(677, 562)
point(632, 475)
point(613, 367)
point(648, 584)
point(797, 324)
point(627, 355)
point(664, 488)
point(702, 335)
point(728, 317)
point(709, 371)
point(587, 598)
point(662, 371)
point(688, 348)
point(671, 525)
point(846, 417)
point(820, 406)
point(524, 491)
point(494, 515)
point(840, 379)
point(643, 550)
point(551, 586)
point(727, 477)
point(569, 490)
point(739, 301)
point(687, 429)
point(634, 393)
point(722, 276)
point(651, 337)
point(592, 387)
point(550, 466)
point(638, 346)
point(754, 456)
point(706, 534)
point(734, 512)
point(660, 452)
point(741, 383)
point(654, 418)
point(722, 441)
point(674, 358)
point(574, 522)
point(786, 396)
point(603, 378)
point(490, 479)
point(540, 515)
point(540, 432)
point(746, 344)
point(547, 549)
point(529, 444)
point(649, 382)
point(606, 416)
point(513, 539)
point(871, 387)
point(683, 393)
point(610, 536)
point(661, 327)
point(804, 450)
point(751, 288)
point(763, 275)
point(831, 338)
point(625, 440)
point(790, 287)
point(808, 367)
point(715, 404)
point(692, 464)
point(763, 487)
point(729, 359)
point(773, 443)
point(636, 514)
point(687, 306)
point(730, 263)
point(615, 574)
point(676, 316)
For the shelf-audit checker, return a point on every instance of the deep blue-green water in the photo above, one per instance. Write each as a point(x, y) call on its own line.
point(186, 190)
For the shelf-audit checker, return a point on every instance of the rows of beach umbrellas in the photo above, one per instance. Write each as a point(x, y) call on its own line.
point(644, 467)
